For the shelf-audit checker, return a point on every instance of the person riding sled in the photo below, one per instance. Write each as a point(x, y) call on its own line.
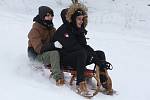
point(75, 52)
point(40, 45)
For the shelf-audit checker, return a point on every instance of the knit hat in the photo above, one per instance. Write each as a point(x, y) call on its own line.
point(43, 10)
point(77, 13)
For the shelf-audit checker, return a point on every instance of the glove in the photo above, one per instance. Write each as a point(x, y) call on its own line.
point(57, 44)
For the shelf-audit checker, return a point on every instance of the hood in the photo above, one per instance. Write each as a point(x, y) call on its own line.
point(63, 15)
point(73, 8)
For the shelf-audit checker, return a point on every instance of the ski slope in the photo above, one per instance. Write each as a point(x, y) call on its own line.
point(120, 28)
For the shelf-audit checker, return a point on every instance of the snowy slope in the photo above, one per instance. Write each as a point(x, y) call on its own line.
point(119, 28)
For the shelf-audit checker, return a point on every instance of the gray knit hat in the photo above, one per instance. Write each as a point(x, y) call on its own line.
point(43, 10)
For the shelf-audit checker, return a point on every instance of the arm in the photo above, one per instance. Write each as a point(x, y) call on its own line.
point(66, 39)
point(35, 40)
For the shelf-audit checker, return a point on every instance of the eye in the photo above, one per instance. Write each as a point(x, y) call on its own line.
point(81, 19)
point(48, 15)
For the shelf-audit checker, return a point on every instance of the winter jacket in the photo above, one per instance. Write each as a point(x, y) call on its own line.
point(70, 38)
point(40, 39)
point(76, 37)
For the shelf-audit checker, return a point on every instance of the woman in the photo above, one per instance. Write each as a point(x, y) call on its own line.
point(75, 52)
point(72, 52)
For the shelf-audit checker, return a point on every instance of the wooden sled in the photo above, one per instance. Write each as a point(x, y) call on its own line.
point(88, 74)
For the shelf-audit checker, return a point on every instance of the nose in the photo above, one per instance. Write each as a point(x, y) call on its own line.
point(81, 21)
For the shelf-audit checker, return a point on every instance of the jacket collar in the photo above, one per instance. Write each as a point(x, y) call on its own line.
point(38, 25)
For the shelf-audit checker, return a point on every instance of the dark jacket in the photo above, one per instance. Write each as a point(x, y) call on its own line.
point(71, 39)
point(75, 41)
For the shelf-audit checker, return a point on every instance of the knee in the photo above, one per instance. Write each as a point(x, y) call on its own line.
point(54, 54)
point(99, 52)
point(100, 55)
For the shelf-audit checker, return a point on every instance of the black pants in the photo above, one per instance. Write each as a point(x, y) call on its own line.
point(77, 60)
point(94, 56)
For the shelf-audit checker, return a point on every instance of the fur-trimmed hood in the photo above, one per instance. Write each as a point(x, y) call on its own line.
point(73, 8)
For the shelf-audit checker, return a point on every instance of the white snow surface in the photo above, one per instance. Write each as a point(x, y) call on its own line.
point(120, 28)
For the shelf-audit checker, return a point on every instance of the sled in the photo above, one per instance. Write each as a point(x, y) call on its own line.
point(89, 73)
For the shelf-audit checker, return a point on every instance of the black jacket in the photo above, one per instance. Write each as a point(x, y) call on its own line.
point(71, 39)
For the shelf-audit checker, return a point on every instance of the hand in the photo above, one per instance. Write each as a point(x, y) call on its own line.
point(57, 44)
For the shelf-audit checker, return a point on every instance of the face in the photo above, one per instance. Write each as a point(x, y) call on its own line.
point(48, 17)
point(79, 21)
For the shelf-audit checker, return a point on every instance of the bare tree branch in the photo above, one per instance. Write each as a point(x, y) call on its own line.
point(75, 1)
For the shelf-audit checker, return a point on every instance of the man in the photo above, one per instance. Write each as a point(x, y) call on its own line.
point(40, 45)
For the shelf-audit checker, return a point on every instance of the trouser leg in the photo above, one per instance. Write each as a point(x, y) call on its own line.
point(53, 58)
point(81, 62)
point(76, 59)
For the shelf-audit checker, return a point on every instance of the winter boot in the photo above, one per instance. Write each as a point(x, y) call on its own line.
point(60, 82)
point(82, 89)
point(106, 81)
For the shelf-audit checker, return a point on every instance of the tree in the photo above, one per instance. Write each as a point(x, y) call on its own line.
point(75, 1)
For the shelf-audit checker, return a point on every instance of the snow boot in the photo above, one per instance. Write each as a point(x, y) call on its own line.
point(60, 82)
point(82, 89)
point(106, 81)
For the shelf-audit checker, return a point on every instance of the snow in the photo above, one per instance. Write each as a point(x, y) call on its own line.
point(120, 28)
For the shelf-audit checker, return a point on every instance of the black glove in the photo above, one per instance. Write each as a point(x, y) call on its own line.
point(48, 47)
